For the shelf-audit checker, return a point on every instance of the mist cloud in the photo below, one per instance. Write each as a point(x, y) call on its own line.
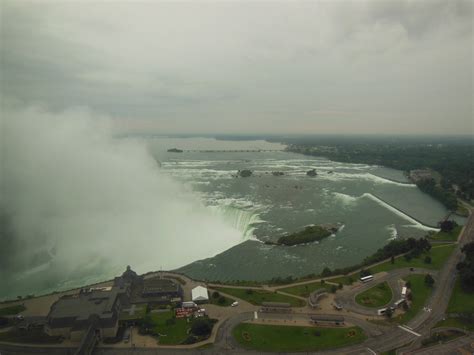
point(76, 202)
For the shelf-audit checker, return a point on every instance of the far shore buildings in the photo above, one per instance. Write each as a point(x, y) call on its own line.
point(97, 310)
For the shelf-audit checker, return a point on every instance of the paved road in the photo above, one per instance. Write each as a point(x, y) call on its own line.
point(346, 297)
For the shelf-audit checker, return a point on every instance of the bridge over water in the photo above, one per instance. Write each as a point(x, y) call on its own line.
point(231, 150)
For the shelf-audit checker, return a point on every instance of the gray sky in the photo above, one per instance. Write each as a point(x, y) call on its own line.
point(246, 67)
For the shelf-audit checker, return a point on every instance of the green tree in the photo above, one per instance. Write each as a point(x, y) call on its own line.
point(201, 327)
point(429, 281)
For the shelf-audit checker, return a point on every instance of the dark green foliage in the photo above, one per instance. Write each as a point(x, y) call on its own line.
point(216, 294)
point(446, 197)
point(429, 281)
point(452, 159)
point(201, 327)
point(12, 310)
point(466, 268)
point(394, 247)
point(249, 291)
point(326, 272)
point(221, 300)
point(285, 280)
point(309, 234)
point(4, 321)
point(191, 339)
point(244, 173)
point(146, 325)
point(427, 259)
point(447, 225)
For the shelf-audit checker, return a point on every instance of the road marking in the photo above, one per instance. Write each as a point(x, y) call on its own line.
point(255, 315)
point(371, 351)
point(409, 330)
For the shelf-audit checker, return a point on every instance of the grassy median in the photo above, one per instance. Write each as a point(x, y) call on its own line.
point(438, 255)
point(306, 289)
point(420, 293)
point(375, 297)
point(460, 309)
point(278, 338)
point(257, 297)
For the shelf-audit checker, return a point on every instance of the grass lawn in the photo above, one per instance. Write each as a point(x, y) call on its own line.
point(451, 236)
point(438, 255)
point(420, 294)
point(220, 300)
point(441, 337)
point(256, 297)
point(305, 290)
point(345, 280)
point(375, 297)
point(11, 310)
point(173, 333)
point(461, 323)
point(461, 301)
point(280, 338)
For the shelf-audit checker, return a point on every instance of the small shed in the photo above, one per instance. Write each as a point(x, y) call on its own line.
point(199, 294)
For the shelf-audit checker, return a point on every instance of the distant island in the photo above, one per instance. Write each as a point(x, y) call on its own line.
point(175, 150)
point(312, 173)
point(310, 234)
point(244, 173)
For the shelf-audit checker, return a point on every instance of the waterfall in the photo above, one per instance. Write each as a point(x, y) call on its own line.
point(244, 220)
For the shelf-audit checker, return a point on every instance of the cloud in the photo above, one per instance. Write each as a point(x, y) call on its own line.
point(218, 66)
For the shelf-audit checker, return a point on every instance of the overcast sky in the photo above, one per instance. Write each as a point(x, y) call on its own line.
point(246, 67)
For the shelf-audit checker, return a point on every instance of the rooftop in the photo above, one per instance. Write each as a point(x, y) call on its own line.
point(158, 285)
point(86, 304)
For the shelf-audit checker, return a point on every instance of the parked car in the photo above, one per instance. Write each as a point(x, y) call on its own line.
point(234, 304)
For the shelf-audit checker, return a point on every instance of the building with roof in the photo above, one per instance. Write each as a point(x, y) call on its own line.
point(327, 319)
point(276, 307)
point(199, 294)
point(158, 287)
point(73, 316)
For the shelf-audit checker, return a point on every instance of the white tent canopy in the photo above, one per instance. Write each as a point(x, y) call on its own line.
point(199, 294)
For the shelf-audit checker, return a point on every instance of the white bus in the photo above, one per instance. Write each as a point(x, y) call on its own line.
point(367, 278)
point(404, 291)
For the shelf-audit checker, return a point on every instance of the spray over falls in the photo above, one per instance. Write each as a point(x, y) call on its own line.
point(80, 204)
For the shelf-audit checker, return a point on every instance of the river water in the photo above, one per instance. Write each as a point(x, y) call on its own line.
point(219, 234)
point(374, 204)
